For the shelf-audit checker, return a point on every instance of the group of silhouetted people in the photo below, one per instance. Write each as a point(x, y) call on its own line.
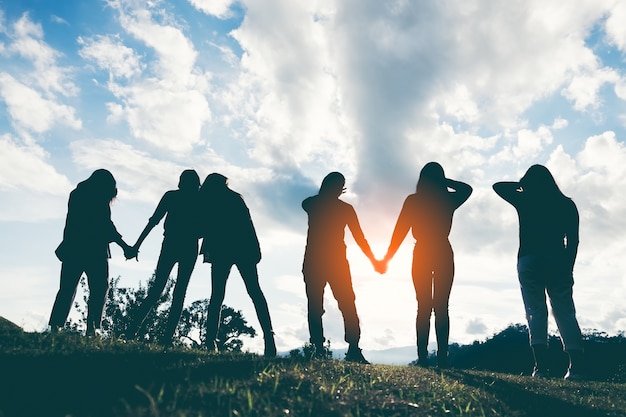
point(548, 235)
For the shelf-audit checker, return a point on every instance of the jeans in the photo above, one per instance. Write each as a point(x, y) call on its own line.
point(172, 252)
point(335, 273)
point(219, 275)
point(433, 274)
point(539, 276)
point(97, 271)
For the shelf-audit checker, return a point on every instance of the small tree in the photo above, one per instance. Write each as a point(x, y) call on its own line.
point(192, 326)
point(122, 305)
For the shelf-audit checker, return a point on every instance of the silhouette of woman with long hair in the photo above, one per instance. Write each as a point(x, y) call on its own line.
point(85, 248)
point(548, 244)
point(325, 262)
point(180, 245)
point(229, 238)
point(428, 213)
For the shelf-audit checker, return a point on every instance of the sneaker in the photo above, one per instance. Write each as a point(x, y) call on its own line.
point(540, 373)
point(355, 355)
point(572, 375)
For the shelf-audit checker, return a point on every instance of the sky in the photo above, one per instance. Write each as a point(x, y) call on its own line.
point(275, 94)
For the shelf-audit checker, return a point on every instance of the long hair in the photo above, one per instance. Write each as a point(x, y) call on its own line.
point(539, 183)
point(101, 184)
point(332, 184)
point(431, 179)
point(189, 180)
point(214, 182)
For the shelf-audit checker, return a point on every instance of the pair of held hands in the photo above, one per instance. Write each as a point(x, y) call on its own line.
point(380, 265)
point(131, 252)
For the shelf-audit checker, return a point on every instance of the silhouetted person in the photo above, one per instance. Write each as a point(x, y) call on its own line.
point(548, 243)
point(229, 239)
point(181, 231)
point(325, 262)
point(428, 213)
point(85, 248)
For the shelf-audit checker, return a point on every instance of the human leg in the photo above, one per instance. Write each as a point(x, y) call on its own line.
point(531, 274)
point(186, 265)
point(314, 285)
point(70, 276)
point(341, 285)
point(442, 283)
point(423, 284)
point(561, 299)
point(219, 276)
point(97, 273)
point(164, 267)
point(250, 277)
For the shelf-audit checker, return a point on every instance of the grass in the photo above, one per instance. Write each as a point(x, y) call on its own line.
point(69, 375)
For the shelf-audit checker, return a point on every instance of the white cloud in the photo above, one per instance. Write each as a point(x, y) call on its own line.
point(614, 25)
point(217, 8)
point(26, 167)
point(584, 89)
point(27, 42)
point(286, 94)
point(111, 54)
point(168, 107)
point(31, 111)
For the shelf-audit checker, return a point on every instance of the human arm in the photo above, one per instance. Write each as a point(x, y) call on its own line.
point(572, 236)
point(129, 251)
point(400, 231)
point(510, 191)
point(461, 193)
point(359, 237)
point(160, 212)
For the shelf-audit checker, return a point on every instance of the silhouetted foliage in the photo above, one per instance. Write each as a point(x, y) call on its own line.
point(192, 326)
point(308, 352)
point(509, 352)
point(123, 303)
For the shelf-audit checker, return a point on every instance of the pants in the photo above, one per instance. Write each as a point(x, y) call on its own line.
point(433, 273)
point(537, 277)
point(338, 277)
point(172, 252)
point(97, 271)
point(219, 275)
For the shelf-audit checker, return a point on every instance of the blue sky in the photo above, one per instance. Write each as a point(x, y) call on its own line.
point(275, 94)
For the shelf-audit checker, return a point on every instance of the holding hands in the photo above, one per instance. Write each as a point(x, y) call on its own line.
point(131, 252)
point(380, 266)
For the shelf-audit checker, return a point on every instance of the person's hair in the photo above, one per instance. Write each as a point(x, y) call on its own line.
point(332, 184)
point(189, 180)
point(214, 182)
point(538, 181)
point(101, 184)
point(432, 177)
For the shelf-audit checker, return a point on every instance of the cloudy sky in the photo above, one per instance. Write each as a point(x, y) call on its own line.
point(275, 94)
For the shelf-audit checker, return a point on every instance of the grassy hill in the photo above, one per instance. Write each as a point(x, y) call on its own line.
point(69, 375)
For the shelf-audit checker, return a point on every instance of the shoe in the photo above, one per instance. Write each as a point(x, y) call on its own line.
point(355, 355)
point(442, 361)
point(540, 373)
point(421, 362)
point(572, 375)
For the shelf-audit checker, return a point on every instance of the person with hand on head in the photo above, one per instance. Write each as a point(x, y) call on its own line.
point(428, 213)
point(548, 245)
point(325, 262)
point(85, 248)
point(181, 231)
point(229, 238)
